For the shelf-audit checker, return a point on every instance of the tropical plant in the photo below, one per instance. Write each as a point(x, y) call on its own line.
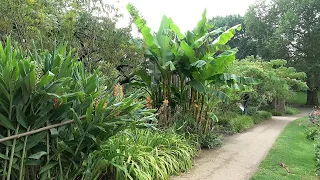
point(186, 71)
point(53, 114)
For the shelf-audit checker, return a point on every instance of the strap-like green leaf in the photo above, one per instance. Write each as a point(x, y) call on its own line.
point(4, 121)
point(47, 167)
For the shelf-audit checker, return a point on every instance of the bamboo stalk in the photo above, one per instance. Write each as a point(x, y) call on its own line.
point(37, 130)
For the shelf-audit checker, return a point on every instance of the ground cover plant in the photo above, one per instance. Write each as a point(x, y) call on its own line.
point(291, 150)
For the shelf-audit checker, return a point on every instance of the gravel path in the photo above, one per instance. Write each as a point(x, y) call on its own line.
point(241, 154)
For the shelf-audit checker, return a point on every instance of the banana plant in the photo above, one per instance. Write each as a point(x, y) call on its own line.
point(190, 65)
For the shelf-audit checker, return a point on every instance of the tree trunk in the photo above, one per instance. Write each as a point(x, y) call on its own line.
point(279, 105)
point(312, 97)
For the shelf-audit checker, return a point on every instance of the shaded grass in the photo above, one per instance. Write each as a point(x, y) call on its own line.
point(300, 98)
point(293, 149)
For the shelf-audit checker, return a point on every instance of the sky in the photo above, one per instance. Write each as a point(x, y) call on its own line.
point(185, 13)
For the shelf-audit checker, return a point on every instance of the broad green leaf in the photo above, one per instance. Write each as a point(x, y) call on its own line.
point(164, 41)
point(144, 76)
point(220, 63)
point(176, 29)
point(198, 86)
point(47, 167)
point(141, 24)
point(220, 95)
point(46, 79)
point(226, 36)
point(34, 139)
point(199, 63)
point(37, 155)
point(201, 26)
point(188, 51)
point(170, 65)
point(54, 132)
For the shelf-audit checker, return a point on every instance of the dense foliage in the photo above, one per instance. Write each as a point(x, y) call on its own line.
point(278, 82)
point(65, 114)
point(42, 89)
point(89, 26)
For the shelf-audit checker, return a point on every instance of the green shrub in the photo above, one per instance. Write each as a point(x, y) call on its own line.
point(317, 152)
point(241, 123)
point(142, 154)
point(312, 132)
point(225, 118)
point(260, 116)
point(292, 111)
point(210, 140)
point(277, 113)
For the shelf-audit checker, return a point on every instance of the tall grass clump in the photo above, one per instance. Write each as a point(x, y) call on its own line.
point(143, 154)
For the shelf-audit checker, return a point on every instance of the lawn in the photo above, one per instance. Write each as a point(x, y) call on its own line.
point(294, 150)
point(300, 98)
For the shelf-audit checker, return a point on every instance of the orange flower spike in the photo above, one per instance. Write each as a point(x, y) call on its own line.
point(165, 102)
point(56, 103)
point(105, 105)
point(116, 90)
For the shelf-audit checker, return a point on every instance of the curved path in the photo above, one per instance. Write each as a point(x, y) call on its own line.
point(241, 154)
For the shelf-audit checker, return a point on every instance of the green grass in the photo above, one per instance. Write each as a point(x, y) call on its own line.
point(300, 98)
point(293, 149)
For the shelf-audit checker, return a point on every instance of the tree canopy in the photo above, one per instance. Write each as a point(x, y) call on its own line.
point(289, 30)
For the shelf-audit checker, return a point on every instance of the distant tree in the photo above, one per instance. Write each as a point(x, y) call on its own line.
point(242, 41)
point(289, 30)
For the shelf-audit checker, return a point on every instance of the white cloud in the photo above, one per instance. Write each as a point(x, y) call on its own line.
point(185, 13)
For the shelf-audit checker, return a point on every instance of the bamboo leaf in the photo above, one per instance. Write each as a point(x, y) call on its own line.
point(37, 155)
point(77, 121)
point(4, 121)
point(2, 156)
point(33, 162)
point(20, 117)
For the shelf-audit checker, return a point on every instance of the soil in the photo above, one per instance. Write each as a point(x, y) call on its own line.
point(240, 155)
